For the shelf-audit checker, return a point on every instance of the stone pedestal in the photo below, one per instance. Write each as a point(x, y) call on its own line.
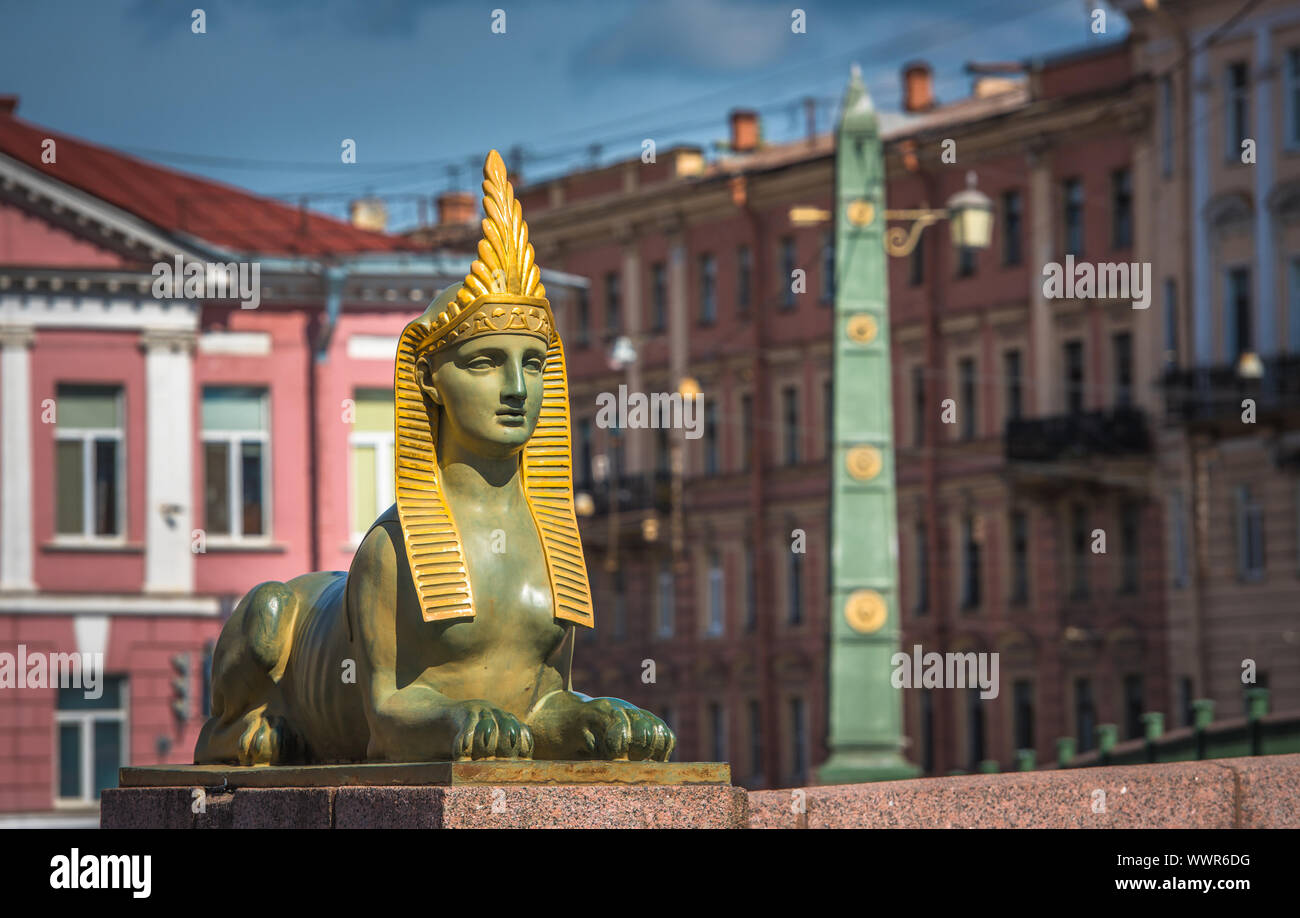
point(505, 794)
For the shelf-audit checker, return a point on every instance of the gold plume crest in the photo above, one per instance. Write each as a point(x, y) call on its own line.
point(503, 291)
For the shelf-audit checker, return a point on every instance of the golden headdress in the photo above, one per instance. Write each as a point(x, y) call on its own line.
point(502, 293)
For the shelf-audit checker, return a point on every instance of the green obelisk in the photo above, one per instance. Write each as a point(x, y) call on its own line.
point(866, 735)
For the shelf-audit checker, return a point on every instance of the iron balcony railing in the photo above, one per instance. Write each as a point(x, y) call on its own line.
point(646, 491)
point(1209, 394)
point(1080, 435)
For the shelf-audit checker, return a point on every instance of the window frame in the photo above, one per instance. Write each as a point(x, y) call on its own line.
point(88, 437)
point(85, 719)
point(1236, 104)
point(385, 447)
point(1012, 236)
point(235, 474)
point(708, 276)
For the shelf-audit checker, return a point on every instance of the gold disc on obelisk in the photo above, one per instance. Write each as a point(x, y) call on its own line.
point(862, 328)
point(865, 611)
point(861, 212)
point(863, 462)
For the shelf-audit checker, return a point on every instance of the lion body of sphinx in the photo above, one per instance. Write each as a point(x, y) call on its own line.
point(279, 689)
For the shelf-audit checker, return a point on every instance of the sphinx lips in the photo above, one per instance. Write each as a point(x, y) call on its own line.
point(511, 415)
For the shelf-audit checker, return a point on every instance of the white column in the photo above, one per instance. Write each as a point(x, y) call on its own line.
point(1044, 379)
point(1265, 292)
point(16, 535)
point(169, 464)
point(1202, 292)
point(634, 440)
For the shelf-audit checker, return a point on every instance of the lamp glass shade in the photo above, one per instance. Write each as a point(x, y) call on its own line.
point(970, 220)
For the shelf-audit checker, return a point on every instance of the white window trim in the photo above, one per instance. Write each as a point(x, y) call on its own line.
point(86, 719)
point(384, 445)
point(717, 620)
point(232, 439)
point(87, 436)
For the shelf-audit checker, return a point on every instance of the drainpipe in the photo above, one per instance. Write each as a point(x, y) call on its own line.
point(319, 341)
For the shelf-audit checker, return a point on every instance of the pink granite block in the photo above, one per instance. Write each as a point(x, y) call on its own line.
point(283, 808)
point(218, 811)
point(146, 808)
point(1268, 789)
point(1186, 794)
point(537, 807)
point(778, 809)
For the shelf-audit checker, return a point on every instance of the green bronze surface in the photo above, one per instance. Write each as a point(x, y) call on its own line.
point(451, 636)
point(396, 774)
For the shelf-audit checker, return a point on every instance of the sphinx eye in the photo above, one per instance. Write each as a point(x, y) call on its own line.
point(481, 362)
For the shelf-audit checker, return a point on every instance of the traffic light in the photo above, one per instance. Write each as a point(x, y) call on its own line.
point(181, 687)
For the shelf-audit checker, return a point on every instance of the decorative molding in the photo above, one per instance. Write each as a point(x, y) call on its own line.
point(242, 343)
point(108, 604)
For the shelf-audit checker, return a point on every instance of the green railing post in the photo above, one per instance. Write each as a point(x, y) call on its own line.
point(989, 767)
point(1065, 747)
point(1026, 760)
point(1107, 735)
point(1256, 710)
point(1153, 723)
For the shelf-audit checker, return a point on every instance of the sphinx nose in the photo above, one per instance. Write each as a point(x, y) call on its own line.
point(513, 386)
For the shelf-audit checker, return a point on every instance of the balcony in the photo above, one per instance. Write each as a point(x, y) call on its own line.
point(1211, 397)
point(1082, 435)
point(644, 491)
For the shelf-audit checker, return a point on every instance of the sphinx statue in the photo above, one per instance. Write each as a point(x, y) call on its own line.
point(451, 636)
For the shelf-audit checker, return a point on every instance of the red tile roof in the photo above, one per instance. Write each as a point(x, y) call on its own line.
point(174, 202)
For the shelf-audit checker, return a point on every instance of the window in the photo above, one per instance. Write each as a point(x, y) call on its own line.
point(1121, 209)
point(794, 587)
point(209, 650)
point(658, 297)
point(927, 731)
point(1133, 707)
point(236, 467)
point(1074, 377)
point(1238, 333)
point(90, 468)
point(1236, 109)
point(663, 452)
point(371, 445)
point(1291, 99)
point(970, 563)
point(613, 306)
point(799, 740)
point(974, 729)
point(1178, 522)
point(665, 601)
point(1085, 714)
point(1012, 219)
point(620, 605)
point(1250, 535)
point(969, 400)
point(717, 608)
point(1073, 196)
point(744, 278)
point(787, 272)
point(790, 425)
point(916, 264)
point(828, 269)
point(1022, 693)
point(92, 740)
point(922, 568)
point(717, 732)
point(1166, 126)
point(1019, 557)
point(582, 331)
point(746, 430)
point(755, 743)
point(965, 261)
point(1078, 552)
point(1122, 352)
point(711, 437)
point(708, 289)
point(584, 452)
point(1293, 309)
point(918, 405)
point(1129, 519)
point(1171, 323)
point(751, 591)
point(1015, 392)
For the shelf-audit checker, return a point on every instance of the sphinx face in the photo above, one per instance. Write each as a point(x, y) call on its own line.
point(490, 391)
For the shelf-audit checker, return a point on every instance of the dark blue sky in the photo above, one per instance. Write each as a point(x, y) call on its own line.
point(265, 97)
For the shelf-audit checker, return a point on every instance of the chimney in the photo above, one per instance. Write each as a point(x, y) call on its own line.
point(456, 207)
point(918, 87)
point(8, 105)
point(744, 130)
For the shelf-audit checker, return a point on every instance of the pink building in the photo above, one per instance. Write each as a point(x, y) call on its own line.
point(161, 456)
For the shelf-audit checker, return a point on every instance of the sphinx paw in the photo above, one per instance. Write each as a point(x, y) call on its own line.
point(485, 732)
